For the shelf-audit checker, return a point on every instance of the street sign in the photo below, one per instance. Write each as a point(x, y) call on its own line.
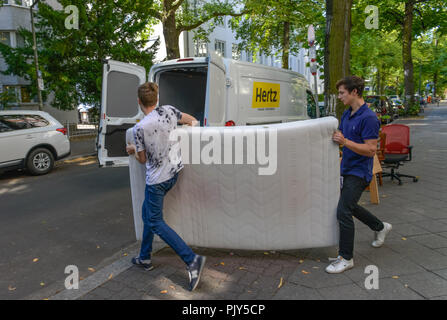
point(40, 84)
point(311, 35)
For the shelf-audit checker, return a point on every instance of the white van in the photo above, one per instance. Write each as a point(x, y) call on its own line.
point(215, 90)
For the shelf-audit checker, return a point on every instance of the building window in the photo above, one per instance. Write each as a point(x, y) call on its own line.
point(219, 47)
point(20, 42)
point(200, 49)
point(5, 37)
point(235, 52)
point(19, 94)
point(25, 95)
point(23, 3)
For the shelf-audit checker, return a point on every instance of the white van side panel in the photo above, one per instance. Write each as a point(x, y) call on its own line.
point(287, 86)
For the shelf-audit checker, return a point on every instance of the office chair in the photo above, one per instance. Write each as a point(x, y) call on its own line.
point(381, 152)
point(397, 150)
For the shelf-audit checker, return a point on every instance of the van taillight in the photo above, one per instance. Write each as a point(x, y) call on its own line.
point(62, 130)
point(182, 60)
point(230, 123)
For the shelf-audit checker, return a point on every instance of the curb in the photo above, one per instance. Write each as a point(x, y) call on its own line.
point(103, 275)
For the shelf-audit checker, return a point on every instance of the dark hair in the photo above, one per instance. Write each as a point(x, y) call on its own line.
point(352, 82)
point(148, 93)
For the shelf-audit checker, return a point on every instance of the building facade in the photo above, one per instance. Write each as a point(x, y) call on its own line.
point(15, 14)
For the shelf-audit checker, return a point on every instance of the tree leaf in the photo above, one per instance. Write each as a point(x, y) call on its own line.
point(280, 283)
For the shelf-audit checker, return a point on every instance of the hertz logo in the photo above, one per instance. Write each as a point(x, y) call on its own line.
point(266, 95)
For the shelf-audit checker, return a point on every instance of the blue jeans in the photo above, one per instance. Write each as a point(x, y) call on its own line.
point(154, 223)
point(353, 187)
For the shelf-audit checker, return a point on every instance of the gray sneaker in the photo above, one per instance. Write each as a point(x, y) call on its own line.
point(195, 271)
point(146, 264)
point(380, 235)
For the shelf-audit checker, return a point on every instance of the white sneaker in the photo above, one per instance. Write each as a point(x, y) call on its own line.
point(380, 235)
point(339, 265)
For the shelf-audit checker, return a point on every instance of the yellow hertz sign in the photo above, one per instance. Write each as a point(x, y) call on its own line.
point(266, 95)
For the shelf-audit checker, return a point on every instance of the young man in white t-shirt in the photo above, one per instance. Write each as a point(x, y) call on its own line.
point(152, 148)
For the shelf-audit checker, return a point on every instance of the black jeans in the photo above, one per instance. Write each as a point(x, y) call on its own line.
point(347, 208)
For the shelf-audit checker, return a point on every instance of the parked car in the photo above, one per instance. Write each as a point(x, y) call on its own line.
point(383, 107)
point(394, 97)
point(397, 104)
point(33, 140)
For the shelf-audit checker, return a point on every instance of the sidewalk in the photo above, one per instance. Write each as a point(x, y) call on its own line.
point(412, 264)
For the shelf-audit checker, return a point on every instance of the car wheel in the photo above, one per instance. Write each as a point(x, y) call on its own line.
point(40, 161)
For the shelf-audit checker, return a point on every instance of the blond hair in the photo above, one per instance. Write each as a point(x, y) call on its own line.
point(148, 94)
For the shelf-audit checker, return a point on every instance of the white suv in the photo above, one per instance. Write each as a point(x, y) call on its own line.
point(31, 140)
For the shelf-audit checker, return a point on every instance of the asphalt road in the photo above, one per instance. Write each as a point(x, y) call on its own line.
point(79, 214)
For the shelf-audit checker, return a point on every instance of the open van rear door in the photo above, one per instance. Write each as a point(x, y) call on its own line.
point(119, 110)
point(215, 91)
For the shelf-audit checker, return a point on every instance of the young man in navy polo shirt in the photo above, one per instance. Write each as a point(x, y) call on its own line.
point(357, 134)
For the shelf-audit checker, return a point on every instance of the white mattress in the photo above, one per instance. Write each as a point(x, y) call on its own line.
point(232, 206)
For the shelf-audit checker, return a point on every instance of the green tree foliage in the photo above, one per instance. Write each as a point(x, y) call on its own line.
point(405, 22)
point(278, 27)
point(177, 16)
point(71, 60)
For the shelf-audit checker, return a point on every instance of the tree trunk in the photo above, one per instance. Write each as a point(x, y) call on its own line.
point(378, 82)
point(286, 45)
point(337, 48)
point(171, 35)
point(407, 56)
point(436, 70)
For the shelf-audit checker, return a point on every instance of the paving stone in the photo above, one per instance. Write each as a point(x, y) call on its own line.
point(432, 241)
point(409, 229)
point(306, 275)
point(248, 295)
point(419, 254)
point(123, 294)
point(345, 292)
point(248, 279)
point(432, 225)
point(265, 283)
point(442, 251)
point(103, 293)
point(389, 262)
point(291, 291)
point(442, 234)
point(426, 284)
point(442, 273)
point(391, 289)
point(113, 285)
point(273, 270)
point(439, 298)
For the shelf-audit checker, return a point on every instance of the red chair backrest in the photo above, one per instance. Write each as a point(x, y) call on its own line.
point(397, 138)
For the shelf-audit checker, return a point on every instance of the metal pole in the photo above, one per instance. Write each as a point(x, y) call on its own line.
point(420, 72)
point(317, 109)
point(36, 61)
